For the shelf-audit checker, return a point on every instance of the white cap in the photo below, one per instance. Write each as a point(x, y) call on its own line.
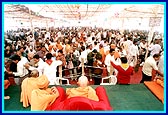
point(157, 37)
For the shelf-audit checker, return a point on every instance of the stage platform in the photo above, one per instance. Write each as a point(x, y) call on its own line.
point(134, 97)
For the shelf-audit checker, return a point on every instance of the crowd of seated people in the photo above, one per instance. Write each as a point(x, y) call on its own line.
point(78, 43)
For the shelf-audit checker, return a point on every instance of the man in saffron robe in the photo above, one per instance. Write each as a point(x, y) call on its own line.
point(28, 85)
point(83, 90)
point(43, 97)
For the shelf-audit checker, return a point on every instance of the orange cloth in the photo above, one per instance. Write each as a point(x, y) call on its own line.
point(160, 82)
point(87, 92)
point(67, 48)
point(103, 54)
point(156, 89)
point(113, 46)
point(41, 99)
point(42, 82)
point(50, 48)
point(59, 46)
point(6, 84)
point(116, 54)
point(28, 85)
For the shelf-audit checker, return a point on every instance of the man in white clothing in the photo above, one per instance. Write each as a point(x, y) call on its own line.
point(38, 64)
point(161, 64)
point(133, 54)
point(89, 48)
point(127, 45)
point(108, 59)
point(22, 72)
point(156, 48)
point(83, 55)
point(150, 63)
point(50, 69)
point(142, 50)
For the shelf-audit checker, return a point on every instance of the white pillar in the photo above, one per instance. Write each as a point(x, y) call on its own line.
point(155, 12)
point(60, 73)
point(83, 71)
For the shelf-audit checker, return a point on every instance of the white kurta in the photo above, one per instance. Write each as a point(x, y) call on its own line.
point(40, 67)
point(161, 64)
point(50, 71)
point(108, 60)
point(21, 70)
point(149, 64)
point(155, 49)
point(84, 56)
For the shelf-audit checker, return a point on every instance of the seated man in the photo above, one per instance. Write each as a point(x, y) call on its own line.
point(28, 85)
point(83, 97)
point(43, 97)
point(83, 90)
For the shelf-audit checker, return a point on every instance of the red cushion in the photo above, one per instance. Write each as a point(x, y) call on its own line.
point(76, 103)
point(62, 97)
point(81, 103)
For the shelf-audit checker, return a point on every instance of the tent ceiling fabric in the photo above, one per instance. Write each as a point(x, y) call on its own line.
point(55, 11)
point(80, 11)
point(20, 12)
point(72, 12)
point(144, 11)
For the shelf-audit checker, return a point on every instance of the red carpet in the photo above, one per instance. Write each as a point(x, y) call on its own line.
point(136, 77)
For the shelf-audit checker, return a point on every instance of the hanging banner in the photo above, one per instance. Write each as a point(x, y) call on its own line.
point(154, 21)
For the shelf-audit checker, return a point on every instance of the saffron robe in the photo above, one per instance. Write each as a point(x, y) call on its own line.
point(28, 85)
point(42, 98)
point(87, 92)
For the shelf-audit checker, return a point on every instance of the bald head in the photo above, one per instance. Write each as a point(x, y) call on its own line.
point(34, 73)
point(83, 81)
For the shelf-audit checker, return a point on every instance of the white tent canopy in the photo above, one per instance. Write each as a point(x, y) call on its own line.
point(117, 16)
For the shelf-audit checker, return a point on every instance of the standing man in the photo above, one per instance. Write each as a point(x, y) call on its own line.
point(124, 71)
point(22, 72)
point(156, 48)
point(50, 69)
point(150, 63)
point(108, 58)
point(38, 64)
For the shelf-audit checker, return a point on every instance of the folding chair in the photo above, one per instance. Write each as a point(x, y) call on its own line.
point(112, 80)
